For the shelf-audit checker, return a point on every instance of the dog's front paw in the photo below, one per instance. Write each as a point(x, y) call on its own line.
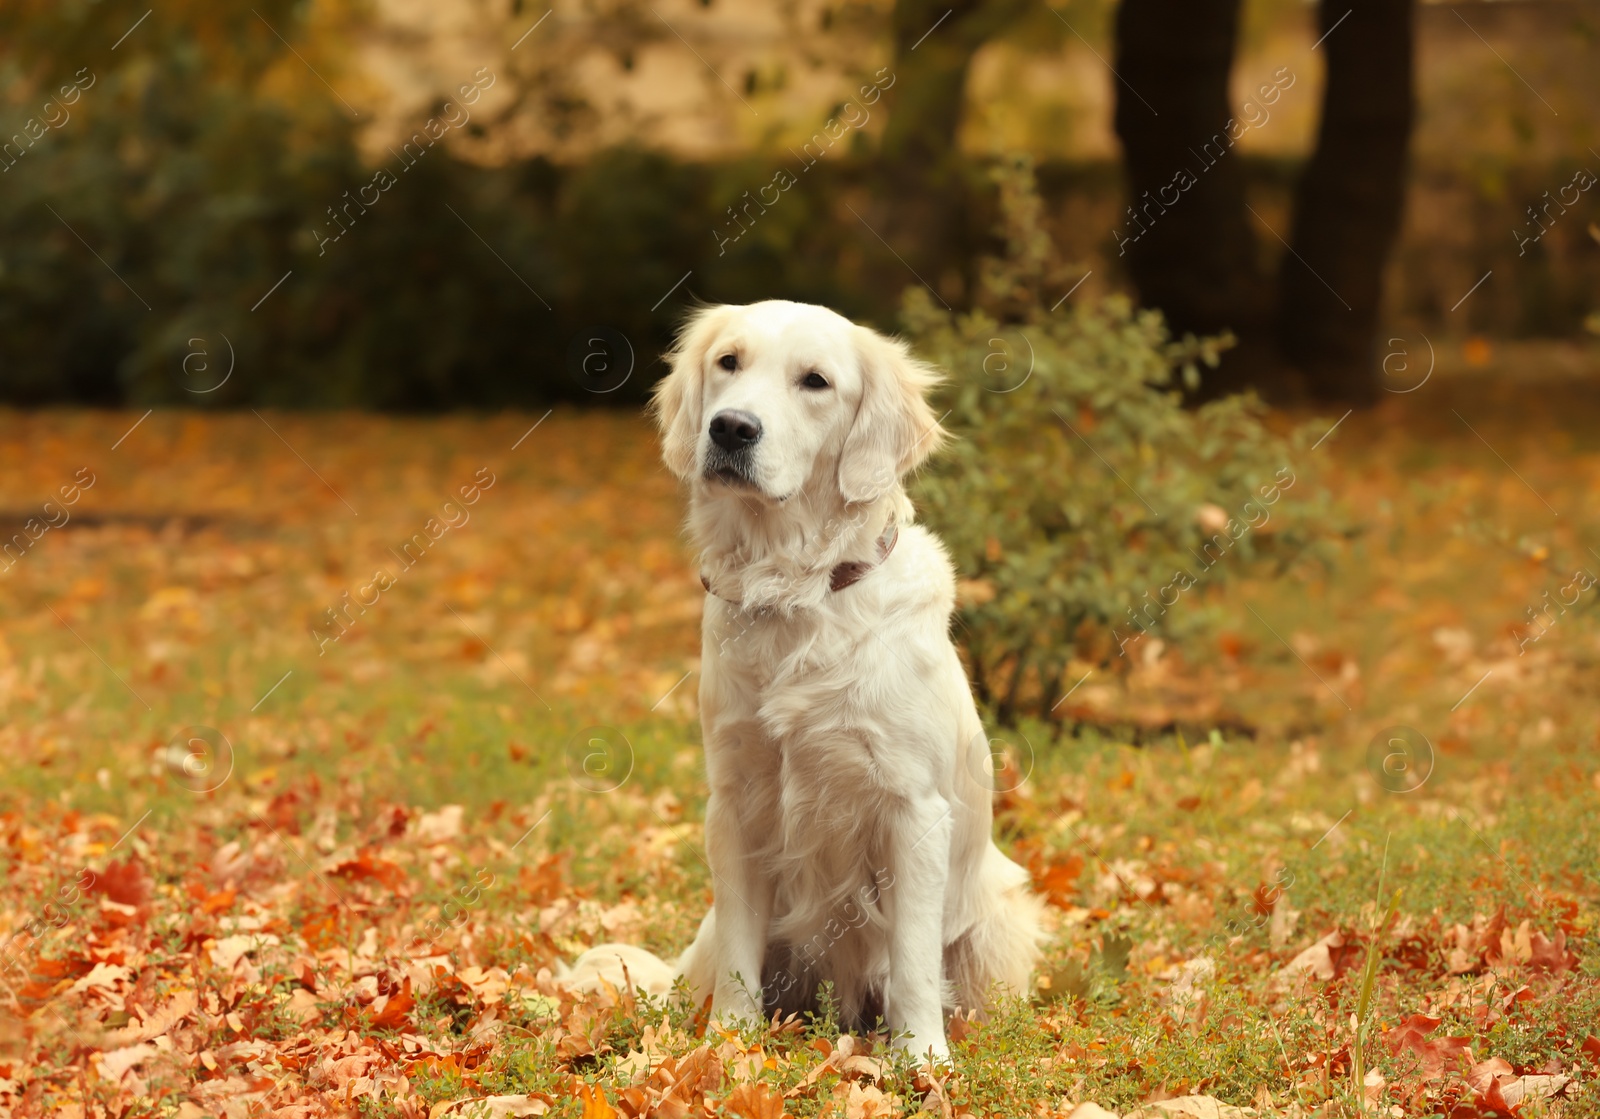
point(732, 1005)
point(925, 1046)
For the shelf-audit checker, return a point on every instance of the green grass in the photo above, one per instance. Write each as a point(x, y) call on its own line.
point(570, 603)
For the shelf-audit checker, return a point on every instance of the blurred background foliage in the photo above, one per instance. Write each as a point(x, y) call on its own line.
point(1076, 552)
point(619, 148)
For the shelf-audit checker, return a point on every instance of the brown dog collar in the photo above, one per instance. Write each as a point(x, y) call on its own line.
point(851, 572)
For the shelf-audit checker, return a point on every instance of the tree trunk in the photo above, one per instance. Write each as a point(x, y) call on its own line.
point(921, 189)
point(1349, 199)
point(931, 60)
point(1186, 238)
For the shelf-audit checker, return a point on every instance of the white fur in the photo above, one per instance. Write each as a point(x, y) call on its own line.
point(848, 825)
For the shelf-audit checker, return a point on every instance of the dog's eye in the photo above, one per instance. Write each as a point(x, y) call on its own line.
point(815, 380)
point(728, 362)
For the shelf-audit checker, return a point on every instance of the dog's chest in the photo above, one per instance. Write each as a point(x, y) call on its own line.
point(760, 654)
point(798, 688)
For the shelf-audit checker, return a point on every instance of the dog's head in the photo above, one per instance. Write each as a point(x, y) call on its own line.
point(772, 399)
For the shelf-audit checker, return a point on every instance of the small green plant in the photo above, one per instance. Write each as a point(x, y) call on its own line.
point(1364, 1003)
point(1085, 507)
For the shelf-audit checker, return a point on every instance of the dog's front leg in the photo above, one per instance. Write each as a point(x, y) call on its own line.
point(920, 853)
point(743, 891)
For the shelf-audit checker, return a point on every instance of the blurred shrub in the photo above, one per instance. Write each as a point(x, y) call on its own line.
point(141, 232)
point(1086, 510)
point(145, 216)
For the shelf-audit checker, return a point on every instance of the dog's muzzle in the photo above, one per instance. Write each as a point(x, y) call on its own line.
point(730, 458)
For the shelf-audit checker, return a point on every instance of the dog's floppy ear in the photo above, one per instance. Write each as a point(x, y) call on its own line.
point(677, 398)
point(894, 429)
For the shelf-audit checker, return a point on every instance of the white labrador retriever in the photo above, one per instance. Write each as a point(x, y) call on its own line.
point(848, 825)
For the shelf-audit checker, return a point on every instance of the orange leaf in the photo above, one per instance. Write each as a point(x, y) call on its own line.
point(546, 882)
point(1435, 1053)
point(125, 883)
point(1491, 1097)
point(219, 902)
point(1056, 881)
point(1551, 955)
point(1412, 1033)
point(396, 1012)
point(1482, 1075)
point(595, 1104)
point(1264, 899)
point(365, 865)
point(754, 1100)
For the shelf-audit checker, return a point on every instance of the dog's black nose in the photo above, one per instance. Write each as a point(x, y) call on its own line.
point(733, 430)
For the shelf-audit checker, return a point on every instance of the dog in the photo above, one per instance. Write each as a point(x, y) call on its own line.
point(849, 817)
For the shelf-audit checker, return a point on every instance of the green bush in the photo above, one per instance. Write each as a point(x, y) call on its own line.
point(1086, 508)
point(140, 236)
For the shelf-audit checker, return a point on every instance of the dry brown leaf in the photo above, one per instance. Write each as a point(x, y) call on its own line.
point(173, 1009)
point(1520, 1089)
point(1484, 1073)
point(227, 951)
point(1317, 960)
point(864, 1101)
point(755, 1101)
point(115, 1062)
